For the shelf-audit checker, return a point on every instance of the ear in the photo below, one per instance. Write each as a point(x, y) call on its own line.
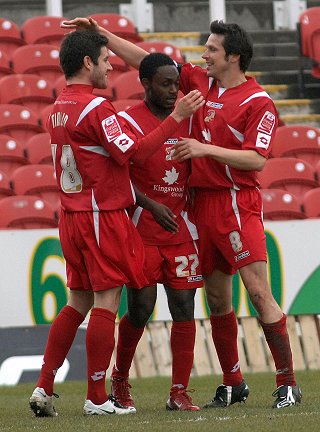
point(145, 83)
point(87, 62)
point(234, 58)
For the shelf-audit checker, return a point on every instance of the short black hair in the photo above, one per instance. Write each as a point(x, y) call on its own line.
point(75, 46)
point(151, 63)
point(236, 41)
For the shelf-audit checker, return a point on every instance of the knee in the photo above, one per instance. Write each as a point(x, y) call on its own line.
point(182, 310)
point(139, 316)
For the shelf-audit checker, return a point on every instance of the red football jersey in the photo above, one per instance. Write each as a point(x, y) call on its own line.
point(242, 117)
point(91, 147)
point(162, 180)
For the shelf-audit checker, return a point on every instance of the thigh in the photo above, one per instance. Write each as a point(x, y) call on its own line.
point(181, 266)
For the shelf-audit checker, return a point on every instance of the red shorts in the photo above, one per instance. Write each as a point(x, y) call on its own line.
point(176, 266)
point(103, 250)
point(230, 227)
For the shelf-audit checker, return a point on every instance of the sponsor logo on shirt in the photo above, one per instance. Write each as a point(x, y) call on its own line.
point(123, 142)
point(242, 256)
point(210, 116)
point(263, 140)
point(267, 123)
point(214, 105)
point(195, 278)
point(171, 141)
point(111, 128)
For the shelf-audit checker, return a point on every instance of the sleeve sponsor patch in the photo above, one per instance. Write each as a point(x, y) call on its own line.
point(123, 142)
point(263, 140)
point(111, 128)
point(267, 123)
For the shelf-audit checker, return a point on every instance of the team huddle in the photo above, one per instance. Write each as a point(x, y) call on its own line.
point(164, 192)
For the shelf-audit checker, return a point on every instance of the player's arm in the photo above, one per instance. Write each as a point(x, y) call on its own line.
point(161, 213)
point(246, 160)
point(128, 51)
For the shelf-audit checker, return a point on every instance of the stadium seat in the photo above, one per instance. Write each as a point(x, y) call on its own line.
point(123, 104)
point(128, 86)
point(59, 84)
point(5, 64)
point(38, 149)
point(39, 59)
point(19, 122)
point(300, 141)
point(43, 29)
point(5, 187)
point(28, 90)
point(280, 205)
point(118, 66)
point(10, 36)
point(26, 212)
point(163, 47)
point(12, 155)
point(290, 174)
point(119, 25)
point(311, 203)
point(37, 180)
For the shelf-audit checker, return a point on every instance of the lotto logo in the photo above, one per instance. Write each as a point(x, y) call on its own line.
point(263, 140)
point(123, 142)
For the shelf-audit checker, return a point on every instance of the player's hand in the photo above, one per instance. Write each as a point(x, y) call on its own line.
point(80, 24)
point(188, 105)
point(164, 217)
point(187, 148)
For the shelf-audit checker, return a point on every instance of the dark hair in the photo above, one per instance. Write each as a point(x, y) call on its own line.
point(151, 63)
point(75, 46)
point(236, 41)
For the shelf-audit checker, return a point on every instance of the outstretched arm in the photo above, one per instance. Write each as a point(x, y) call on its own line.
point(128, 51)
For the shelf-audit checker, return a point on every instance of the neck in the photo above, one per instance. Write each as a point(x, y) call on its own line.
point(159, 112)
point(231, 81)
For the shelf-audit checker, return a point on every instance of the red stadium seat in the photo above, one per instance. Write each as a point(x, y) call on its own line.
point(19, 122)
point(5, 65)
point(280, 205)
point(118, 66)
point(59, 84)
point(39, 59)
point(300, 141)
point(290, 174)
point(128, 86)
point(38, 149)
point(37, 180)
point(5, 187)
point(165, 48)
point(124, 104)
point(28, 90)
point(26, 212)
point(311, 203)
point(119, 25)
point(12, 155)
point(43, 29)
point(10, 36)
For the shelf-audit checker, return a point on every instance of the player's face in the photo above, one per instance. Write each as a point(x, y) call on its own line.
point(163, 89)
point(215, 56)
point(100, 71)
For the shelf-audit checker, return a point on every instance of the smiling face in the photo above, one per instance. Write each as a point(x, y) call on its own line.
point(99, 71)
point(162, 89)
point(215, 56)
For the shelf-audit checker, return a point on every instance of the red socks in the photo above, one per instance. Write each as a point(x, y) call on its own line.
point(61, 335)
point(128, 340)
point(278, 340)
point(100, 345)
point(224, 335)
point(182, 346)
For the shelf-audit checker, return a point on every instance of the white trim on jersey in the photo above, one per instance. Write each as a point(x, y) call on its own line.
point(136, 215)
point(236, 133)
point(133, 192)
point(255, 95)
point(128, 117)
point(228, 173)
point(93, 104)
point(191, 226)
point(95, 212)
point(235, 206)
point(96, 149)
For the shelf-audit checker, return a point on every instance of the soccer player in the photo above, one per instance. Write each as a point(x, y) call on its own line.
point(91, 149)
point(171, 254)
point(233, 135)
